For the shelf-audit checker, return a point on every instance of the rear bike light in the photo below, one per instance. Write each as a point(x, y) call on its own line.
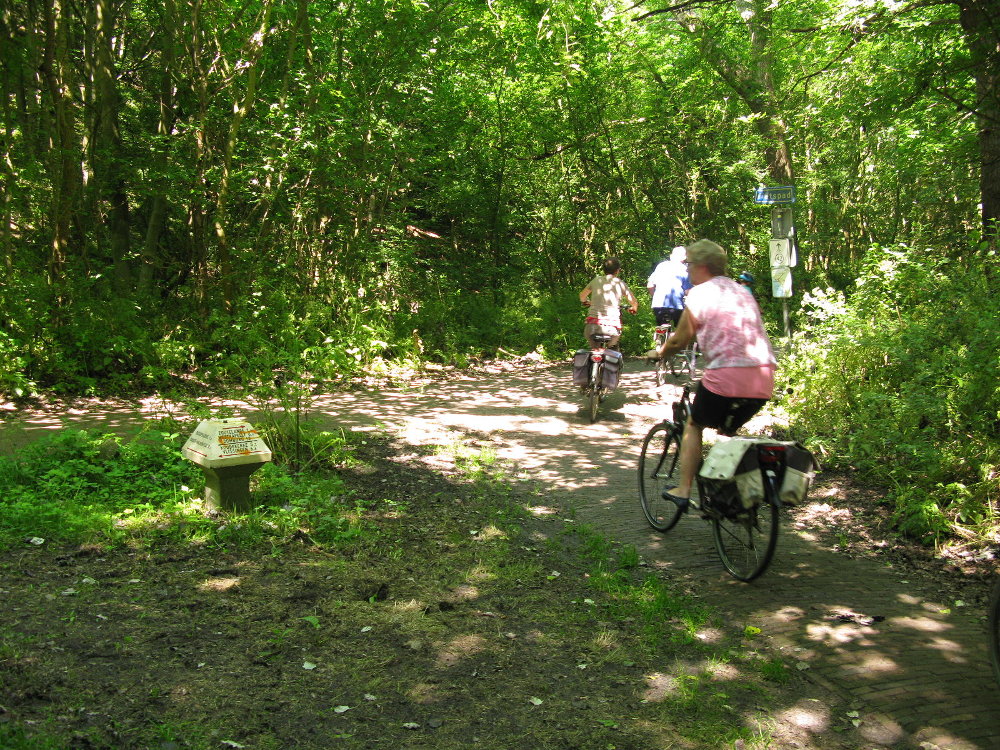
point(597, 357)
point(772, 454)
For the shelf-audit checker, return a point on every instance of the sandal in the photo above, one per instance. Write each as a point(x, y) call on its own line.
point(681, 502)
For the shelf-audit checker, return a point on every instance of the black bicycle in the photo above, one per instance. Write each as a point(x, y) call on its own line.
point(684, 360)
point(745, 537)
point(596, 390)
point(994, 628)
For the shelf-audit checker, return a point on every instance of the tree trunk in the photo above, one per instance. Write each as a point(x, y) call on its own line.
point(753, 82)
point(769, 124)
point(240, 110)
point(151, 256)
point(64, 165)
point(108, 151)
point(980, 20)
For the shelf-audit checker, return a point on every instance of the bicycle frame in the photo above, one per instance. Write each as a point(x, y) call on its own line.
point(660, 334)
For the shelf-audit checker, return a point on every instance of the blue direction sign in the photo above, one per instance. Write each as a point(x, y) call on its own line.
point(782, 194)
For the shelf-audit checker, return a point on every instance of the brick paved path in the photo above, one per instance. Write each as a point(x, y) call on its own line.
point(915, 666)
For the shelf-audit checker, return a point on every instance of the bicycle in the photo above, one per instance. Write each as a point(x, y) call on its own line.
point(660, 334)
point(993, 628)
point(596, 390)
point(745, 538)
point(686, 359)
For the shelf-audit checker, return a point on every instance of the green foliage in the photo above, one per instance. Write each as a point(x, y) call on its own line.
point(75, 486)
point(15, 738)
point(72, 484)
point(317, 504)
point(774, 670)
point(415, 184)
point(899, 380)
point(13, 380)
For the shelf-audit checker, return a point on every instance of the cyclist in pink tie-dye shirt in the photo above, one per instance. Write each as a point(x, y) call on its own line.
point(737, 357)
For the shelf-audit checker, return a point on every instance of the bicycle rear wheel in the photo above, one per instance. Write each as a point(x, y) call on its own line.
point(994, 629)
point(746, 540)
point(595, 390)
point(661, 372)
point(660, 366)
point(594, 402)
point(659, 467)
point(691, 358)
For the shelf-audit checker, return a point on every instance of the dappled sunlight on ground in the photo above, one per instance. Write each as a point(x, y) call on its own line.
point(914, 667)
point(458, 649)
point(659, 686)
point(809, 714)
point(922, 624)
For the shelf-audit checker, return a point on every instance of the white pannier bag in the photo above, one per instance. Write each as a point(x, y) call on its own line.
point(732, 470)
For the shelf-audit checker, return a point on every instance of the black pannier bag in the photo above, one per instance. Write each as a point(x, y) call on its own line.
point(731, 476)
point(581, 367)
point(612, 368)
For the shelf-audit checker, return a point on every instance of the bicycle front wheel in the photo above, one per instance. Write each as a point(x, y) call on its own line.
point(659, 467)
point(746, 540)
point(994, 629)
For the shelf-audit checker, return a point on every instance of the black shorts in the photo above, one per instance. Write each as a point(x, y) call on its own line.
point(667, 314)
point(723, 413)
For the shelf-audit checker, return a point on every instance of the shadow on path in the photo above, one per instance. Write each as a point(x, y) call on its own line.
point(918, 668)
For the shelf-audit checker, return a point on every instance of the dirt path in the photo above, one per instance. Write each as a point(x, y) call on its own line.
point(867, 635)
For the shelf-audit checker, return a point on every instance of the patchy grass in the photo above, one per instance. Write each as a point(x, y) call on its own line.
point(377, 604)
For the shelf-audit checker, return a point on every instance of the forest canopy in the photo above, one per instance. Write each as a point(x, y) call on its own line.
point(234, 187)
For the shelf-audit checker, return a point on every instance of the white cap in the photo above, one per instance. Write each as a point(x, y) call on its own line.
point(678, 253)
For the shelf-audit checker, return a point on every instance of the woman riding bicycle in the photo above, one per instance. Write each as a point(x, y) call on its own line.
point(604, 296)
point(737, 357)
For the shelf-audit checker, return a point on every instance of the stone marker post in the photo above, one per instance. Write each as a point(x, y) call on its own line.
point(228, 452)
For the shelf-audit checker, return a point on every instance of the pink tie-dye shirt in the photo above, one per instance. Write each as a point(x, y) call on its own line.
point(731, 335)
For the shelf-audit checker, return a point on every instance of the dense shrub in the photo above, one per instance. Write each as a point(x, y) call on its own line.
point(900, 379)
point(70, 484)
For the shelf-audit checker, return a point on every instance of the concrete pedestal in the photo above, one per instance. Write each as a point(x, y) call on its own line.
point(228, 488)
point(228, 452)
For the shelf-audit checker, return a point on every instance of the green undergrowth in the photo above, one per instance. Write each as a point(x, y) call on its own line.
point(373, 599)
point(80, 487)
point(898, 380)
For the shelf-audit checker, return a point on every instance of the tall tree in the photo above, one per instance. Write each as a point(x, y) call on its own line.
point(980, 20)
point(65, 157)
point(109, 158)
point(745, 64)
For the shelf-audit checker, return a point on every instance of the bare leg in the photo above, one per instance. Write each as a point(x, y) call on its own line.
point(690, 458)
